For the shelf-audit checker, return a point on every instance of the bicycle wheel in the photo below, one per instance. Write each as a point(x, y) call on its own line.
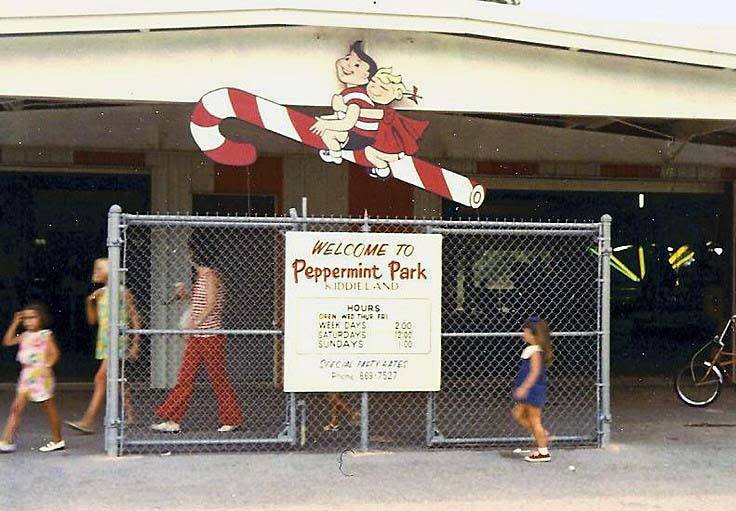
point(698, 385)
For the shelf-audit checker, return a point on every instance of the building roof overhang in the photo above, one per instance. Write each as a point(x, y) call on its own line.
point(713, 46)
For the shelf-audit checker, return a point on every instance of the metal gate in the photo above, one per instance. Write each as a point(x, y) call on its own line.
point(495, 275)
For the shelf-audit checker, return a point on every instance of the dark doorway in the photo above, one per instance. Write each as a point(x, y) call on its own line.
point(677, 297)
point(53, 226)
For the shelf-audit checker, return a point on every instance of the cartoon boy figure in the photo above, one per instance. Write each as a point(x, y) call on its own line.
point(397, 135)
point(347, 129)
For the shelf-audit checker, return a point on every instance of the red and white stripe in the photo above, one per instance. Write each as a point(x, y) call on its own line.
point(430, 177)
point(228, 102)
point(213, 321)
point(364, 126)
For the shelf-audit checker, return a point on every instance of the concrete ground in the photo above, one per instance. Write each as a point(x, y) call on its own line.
point(664, 455)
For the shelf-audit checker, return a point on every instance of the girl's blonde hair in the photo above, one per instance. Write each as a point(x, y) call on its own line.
point(386, 75)
point(100, 261)
point(540, 330)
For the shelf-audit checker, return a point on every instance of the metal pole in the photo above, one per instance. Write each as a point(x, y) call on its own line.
point(183, 219)
point(605, 383)
point(430, 419)
point(112, 420)
point(364, 421)
point(364, 396)
point(292, 408)
point(430, 425)
point(292, 418)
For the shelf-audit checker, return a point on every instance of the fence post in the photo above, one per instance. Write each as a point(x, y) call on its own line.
point(364, 405)
point(364, 421)
point(112, 420)
point(605, 383)
point(429, 432)
point(430, 426)
point(292, 396)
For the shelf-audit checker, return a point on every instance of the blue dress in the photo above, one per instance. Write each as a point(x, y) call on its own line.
point(537, 395)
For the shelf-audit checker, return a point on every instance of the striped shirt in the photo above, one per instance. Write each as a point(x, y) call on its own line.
point(213, 321)
point(357, 96)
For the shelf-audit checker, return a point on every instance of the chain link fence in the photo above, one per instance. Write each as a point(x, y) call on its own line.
point(495, 275)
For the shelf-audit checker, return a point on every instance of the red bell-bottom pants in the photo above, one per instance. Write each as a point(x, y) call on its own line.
point(209, 351)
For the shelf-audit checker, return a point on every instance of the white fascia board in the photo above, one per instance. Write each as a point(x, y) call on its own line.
point(707, 45)
point(454, 74)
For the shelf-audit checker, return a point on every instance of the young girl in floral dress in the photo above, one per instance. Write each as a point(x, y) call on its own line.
point(37, 353)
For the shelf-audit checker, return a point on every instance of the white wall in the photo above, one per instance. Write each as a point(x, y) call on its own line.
point(295, 66)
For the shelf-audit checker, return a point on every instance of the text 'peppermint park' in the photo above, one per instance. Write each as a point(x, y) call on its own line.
point(394, 269)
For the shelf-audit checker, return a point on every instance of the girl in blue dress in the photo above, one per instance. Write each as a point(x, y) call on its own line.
point(530, 385)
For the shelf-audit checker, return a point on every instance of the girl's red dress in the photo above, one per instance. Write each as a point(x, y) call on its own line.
point(398, 134)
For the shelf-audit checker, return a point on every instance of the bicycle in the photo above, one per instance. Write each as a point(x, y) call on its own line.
point(699, 383)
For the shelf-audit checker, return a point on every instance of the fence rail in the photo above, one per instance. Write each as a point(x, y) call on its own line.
point(495, 274)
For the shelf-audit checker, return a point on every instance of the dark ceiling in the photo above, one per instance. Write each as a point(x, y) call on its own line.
point(698, 131)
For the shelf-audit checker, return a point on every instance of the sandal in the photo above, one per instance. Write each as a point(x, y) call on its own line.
point(537, 457)
point(80, 427)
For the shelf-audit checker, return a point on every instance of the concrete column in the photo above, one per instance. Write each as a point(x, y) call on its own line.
point(324, 184)
point(427, 205)
point(173, 175)
point(172, 178)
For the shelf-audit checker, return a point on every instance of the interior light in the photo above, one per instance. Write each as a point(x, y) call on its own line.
point(718, 250)
point(678, 253)
point(617, 265)
point(641, 200)
point(622, 247)
point(622, 268)
point(685, 260)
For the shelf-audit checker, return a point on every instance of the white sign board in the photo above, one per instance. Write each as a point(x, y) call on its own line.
point(363, 312)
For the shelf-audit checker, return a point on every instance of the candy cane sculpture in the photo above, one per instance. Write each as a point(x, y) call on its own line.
point(228, 102)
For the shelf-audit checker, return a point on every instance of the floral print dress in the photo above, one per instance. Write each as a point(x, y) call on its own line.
point(103, 323)
point(36, 380)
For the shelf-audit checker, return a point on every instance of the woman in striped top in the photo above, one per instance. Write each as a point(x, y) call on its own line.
point(203, 348)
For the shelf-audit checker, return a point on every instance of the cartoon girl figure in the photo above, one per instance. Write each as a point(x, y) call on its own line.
point(396, 135)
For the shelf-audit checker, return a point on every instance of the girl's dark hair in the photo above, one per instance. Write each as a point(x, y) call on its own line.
point(42, 312)
point(202, 254)
point(540, 330)
point(357, 47)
